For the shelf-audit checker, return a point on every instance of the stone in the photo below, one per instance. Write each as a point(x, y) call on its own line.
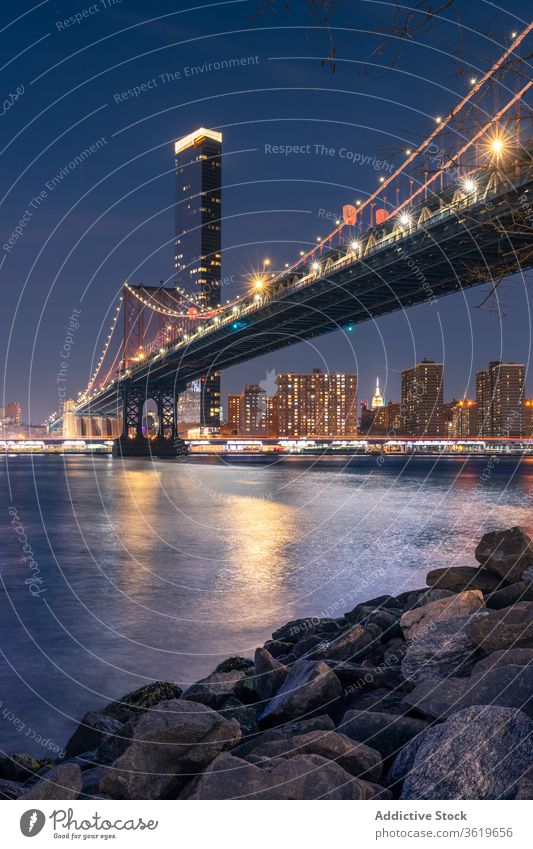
point(323, 722)
point(309, 687)
point(509, 595)
point(11, 789)
point(527, 575)
point(91, 779)
point(510, 657)
point(213, 690)
point(113, 746)
point(382, 731)
point(359, 760)
point(297, 629)
point(422, 597)
point(415, 622)
point(442, 650)
point(269, 674)
point(307, 646)
point(507, 686)
point(353, 644)
point(511, 627)
point(61, 782)
point(135, 703)
point(19, 767)
point(171, 742)
point(480, 753)
point(361, 610)
point(300, 777)
point(246, 715)
point(233, 664)
point(525, 786)
point(91, 732)
point(380, 700)
point(459, 578)
point(276, 647)
point(506, 553)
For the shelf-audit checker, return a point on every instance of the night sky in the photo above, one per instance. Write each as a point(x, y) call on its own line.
point(111, 219)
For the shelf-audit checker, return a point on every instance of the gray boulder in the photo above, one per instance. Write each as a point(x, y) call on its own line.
point(525, 785)
point(359, 760)
point(171, 743)
point(509, 595)
point(415, 622)
point(269, 674)
point(506, 553)
point(91, 732)
point(510, 657)
point(480, 753)
point(285, 732)
point(511, 627)
point(19, 767)
point(133, 704)
point(310, 686)
point(11, 789)
point(459, 578)
point(61, 782)
point(215, 689)
point(300, 777)
point(443, 649)
point(382, 731)
point(297, 629)
point(353, 644)
point(507, 686)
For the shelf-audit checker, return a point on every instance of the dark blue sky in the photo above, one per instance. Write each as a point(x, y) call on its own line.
point(112, 218)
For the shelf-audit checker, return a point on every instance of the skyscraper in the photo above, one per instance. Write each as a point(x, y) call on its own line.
point(422, 400)
point(500, 399)
point(317, 404)
point(198, 243)
point(377, 399)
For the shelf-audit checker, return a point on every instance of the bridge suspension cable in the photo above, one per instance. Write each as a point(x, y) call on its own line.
point(104, 351)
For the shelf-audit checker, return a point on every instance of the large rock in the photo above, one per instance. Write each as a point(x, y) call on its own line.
point(173, 741)
point(509, 595)
point(356, 758)
point(215, 689)
point(458, 578)
point(508, 686)
point(11, 789)
point(510, 657)
point(506, 553)
point(382, 731)
point(297, 629)
point(323, 722)
point(269, 674)
point(93, 730)
point(525, 785)
point(444, 649)
point(61, 782)
point(300, 777)
point(480, 753)
point(416, 621)
point(354, 644)
point(309, 687)
point(135, 703)
point(511, 627)
point(19, 767)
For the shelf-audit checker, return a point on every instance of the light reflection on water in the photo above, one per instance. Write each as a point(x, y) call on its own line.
point(159, 570)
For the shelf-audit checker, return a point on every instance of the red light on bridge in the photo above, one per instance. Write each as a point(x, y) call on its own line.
point(381, 216)
point(192, 312)
point(349, 214)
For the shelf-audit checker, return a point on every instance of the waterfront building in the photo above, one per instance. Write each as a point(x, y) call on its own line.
point(188, 408)
point(381, 421)
point(317, 404)
point(422, 400)
point(234, 414)
point(13, 411)
point(500, 400)
point(198, 238)
point(252, 411)
point(528, 418)
point(461, 420)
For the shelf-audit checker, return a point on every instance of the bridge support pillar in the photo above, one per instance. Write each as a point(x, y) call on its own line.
point(132, 441)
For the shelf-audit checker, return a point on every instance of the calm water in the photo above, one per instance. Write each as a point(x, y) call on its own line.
point(159, 570)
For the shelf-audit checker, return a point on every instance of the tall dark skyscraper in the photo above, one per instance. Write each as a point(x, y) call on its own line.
point(199, 237)
point(500, 399)
point(422, 399)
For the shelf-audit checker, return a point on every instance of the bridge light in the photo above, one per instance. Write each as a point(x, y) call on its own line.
point(469, 185)
point(358, 203)
point(405, 220)
point(514, 34)
point(318, 238)
point(315, 266)
point(349, 328)
point(354, 246)
point(235, 325)
point(473, 81)
point(266, 262)
point(496, 146)
point(408, 151)
point(302, 253)
point(382, 179)
point(438, 119)
point(257, 297)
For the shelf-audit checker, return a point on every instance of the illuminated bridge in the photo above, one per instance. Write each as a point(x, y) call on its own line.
point(461, 216)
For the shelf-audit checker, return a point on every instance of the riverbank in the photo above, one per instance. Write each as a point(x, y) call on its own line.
point(423, 695)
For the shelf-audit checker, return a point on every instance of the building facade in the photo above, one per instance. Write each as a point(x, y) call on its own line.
point(500, 400)
point(422, 400)
point(317, 404)
point(198, 237)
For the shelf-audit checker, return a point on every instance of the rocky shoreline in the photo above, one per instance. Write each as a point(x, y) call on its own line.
point(424, 695)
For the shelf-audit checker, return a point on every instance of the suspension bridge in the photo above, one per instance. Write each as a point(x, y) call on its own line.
point(454, 214)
